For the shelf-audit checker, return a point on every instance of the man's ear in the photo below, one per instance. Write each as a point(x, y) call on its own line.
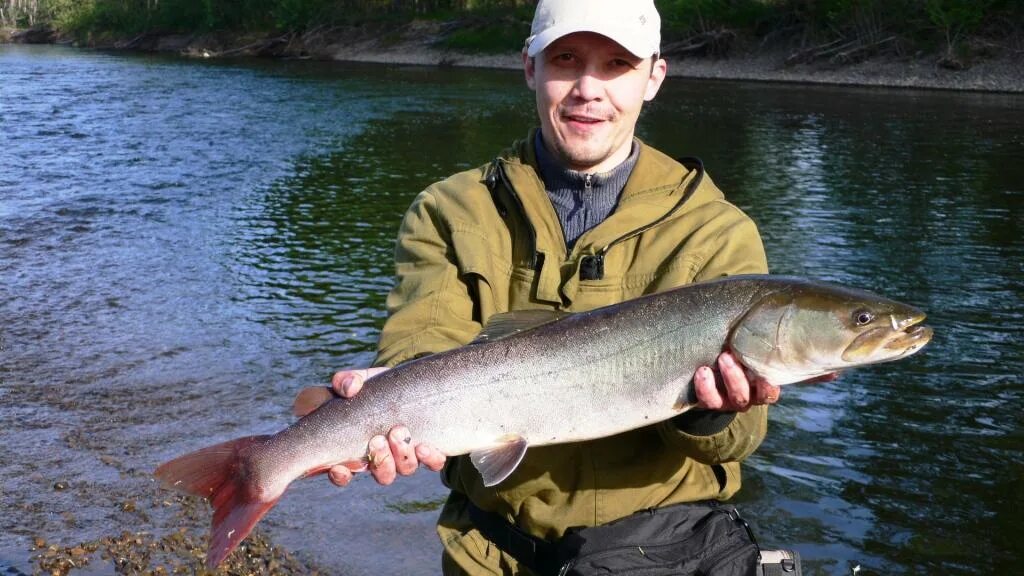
point(529, 70)
point(658, 71)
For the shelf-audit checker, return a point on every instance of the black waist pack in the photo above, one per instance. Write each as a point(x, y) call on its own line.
point(685, 539)
point(695, 539)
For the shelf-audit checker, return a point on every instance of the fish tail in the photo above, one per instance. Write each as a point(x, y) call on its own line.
point(218, 474)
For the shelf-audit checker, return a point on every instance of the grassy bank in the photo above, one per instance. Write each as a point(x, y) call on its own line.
point(839, 30)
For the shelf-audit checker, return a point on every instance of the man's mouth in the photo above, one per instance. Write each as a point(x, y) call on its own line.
point(583, 119)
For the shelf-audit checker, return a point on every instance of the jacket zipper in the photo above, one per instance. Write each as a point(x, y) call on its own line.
point(692, 163)
point(497, 167)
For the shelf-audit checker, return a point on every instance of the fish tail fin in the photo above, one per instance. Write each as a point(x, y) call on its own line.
point(217, 474)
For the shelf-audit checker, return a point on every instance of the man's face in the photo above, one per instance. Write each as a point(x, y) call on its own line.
point(589, 94)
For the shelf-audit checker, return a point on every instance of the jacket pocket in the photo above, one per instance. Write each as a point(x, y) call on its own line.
point(483, 270)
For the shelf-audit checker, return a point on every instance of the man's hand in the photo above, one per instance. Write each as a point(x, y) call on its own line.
point(736, 392)
point(388, 457)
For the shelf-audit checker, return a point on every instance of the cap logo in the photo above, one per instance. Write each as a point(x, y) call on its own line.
point(643, 19)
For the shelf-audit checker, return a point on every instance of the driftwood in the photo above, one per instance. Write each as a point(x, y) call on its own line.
point(711, 43)
point(137, 42)
point(35, 35)
point(844, 51)
point(263, 47)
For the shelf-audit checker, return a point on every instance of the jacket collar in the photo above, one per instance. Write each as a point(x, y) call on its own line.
point(652, 192)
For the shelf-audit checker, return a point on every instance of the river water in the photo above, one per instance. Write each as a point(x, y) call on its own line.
point(184, 245)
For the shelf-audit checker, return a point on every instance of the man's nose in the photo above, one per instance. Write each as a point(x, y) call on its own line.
point(589, 86)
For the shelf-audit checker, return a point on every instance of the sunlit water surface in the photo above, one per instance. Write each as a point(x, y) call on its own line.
point(184, 245)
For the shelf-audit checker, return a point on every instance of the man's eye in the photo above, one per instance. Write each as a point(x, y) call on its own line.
point(621, 63)
point(565, 57)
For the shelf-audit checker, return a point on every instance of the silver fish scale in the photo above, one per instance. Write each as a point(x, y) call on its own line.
point(586, 376)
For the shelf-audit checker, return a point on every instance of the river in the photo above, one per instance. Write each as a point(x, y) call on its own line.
point(185, 244)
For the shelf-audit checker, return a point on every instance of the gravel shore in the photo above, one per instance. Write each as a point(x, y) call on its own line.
point(416, 43)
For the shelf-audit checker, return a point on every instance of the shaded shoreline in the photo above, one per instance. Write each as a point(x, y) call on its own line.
point(416, 44)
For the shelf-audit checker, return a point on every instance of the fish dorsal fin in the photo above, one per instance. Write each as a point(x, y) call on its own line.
point(509, 323)
point(496, 463)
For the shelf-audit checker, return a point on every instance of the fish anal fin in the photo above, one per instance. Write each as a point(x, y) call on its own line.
point(311, 398)
point(508, 323)
point(496, 463)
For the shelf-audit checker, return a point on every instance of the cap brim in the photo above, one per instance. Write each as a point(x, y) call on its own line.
point(620, 36)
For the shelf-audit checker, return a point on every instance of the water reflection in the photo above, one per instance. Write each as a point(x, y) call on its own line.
point(191, 242)
point(897, 467)
point(314, 252)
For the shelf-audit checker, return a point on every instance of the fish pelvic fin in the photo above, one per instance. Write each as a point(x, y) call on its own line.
point(498, 462)
point(217, 474)
point(687, 399)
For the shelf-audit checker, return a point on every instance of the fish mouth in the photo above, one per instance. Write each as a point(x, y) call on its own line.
point(911, 338)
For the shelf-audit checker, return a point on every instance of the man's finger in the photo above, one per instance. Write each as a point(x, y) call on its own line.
point(382, 464)
point(765, 393)
point(430, 457)
point(706, 389)
point(737, 387)
point(348, 383)
point(340, 476)
point(402, 450)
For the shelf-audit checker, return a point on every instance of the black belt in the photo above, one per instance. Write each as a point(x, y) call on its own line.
point(537, 554)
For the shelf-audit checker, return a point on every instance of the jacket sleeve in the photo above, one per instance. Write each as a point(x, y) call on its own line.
point(430, 309)
point(718, 437)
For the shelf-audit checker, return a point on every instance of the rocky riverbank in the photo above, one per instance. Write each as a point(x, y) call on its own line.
point(987, 66)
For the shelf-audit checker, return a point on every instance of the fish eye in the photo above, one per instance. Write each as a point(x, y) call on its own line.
point(863, 317)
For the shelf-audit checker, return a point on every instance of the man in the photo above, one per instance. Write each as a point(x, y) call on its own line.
point(578, 215)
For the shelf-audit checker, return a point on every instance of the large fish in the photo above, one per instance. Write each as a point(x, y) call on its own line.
point(534, 378)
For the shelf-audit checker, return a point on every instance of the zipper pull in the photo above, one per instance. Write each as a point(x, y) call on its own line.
point(588, 182)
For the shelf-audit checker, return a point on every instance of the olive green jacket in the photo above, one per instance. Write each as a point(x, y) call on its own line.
point(487, 241)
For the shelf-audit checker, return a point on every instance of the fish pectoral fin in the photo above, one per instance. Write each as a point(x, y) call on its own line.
point(311, 398)
point(496, 463)
point(508, 323)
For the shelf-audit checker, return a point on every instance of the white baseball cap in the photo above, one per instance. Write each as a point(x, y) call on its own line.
point(634, 24)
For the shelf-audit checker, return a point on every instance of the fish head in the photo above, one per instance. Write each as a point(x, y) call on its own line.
point(810, 329)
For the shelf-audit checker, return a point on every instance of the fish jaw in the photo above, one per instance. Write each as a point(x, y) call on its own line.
point(910, 340)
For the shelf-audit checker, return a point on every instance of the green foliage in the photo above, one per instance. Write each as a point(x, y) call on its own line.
point(496, 31)
point(954, 18)
point(105, 16)
point(501, 25)
point(298, 14)
point(483, 40)
point(703, 15)
point(958, 15)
